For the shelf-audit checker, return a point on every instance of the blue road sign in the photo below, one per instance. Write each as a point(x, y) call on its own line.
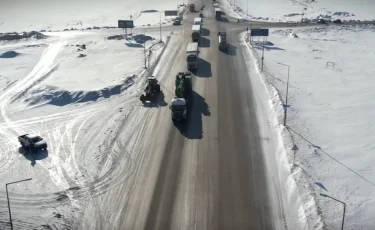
point(125, 24)
point(259, 32)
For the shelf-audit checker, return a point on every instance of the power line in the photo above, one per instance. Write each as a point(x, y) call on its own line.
point(363, 178)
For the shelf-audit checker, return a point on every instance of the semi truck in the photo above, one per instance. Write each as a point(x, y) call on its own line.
point(222, 37)
point(217, 13)
point(196, 33)
point(192, 56)
point(192, 7)
point(180, 104)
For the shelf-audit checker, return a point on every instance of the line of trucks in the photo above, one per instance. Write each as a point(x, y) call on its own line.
point(179, 106)
point(183, 83)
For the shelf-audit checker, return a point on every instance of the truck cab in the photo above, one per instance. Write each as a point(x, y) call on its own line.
point(222, 39)
point(218, 13)
point(192, 56)
point(179, 109)
point(192, 61)
point(180, 104)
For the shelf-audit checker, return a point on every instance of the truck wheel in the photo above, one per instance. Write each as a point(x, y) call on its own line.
point(143, 98)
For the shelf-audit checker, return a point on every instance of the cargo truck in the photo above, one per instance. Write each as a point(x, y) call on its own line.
point(223, 45)
point(192, 56)
point(196, 33)
point(192, 7)
point(180, 104)
point(217, 13)
point(198, 21)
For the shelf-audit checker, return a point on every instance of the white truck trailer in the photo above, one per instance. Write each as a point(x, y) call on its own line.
point(196, 33)
point(198, 21)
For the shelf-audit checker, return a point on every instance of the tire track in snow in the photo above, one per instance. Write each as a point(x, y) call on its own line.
point(43, 67)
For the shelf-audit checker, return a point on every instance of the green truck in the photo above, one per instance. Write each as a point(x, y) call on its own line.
point(180, 104)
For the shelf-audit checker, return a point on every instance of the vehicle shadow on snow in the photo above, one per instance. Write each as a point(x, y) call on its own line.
point(33, 157)
point(205, 32)
point(160, 101)
point(133, 45)
point(204, 68)
point(231, 50)
point(267, 45)
point(224, 19)
point(204, 42)
point(193, 127)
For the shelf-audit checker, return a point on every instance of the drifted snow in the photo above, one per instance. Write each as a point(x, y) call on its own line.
point(53, 15)
point(46, 90)
point(330, 119)
point(291, 10)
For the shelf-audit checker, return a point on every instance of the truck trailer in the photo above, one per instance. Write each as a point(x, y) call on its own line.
point(192, 7)
point(196, 33)
point(198, 21)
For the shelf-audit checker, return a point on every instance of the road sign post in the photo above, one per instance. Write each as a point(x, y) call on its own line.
point(125, 24)
point(295, 149)
point(260, 33)
point(344, 205)
point(6, 190)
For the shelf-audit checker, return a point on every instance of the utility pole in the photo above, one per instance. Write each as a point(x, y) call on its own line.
point(144, 49)
point(161, 40)
point(343, 215)
point(263, 54)
point(303, 13)
point(6, 189)
point(295, 149)
point(286, 96)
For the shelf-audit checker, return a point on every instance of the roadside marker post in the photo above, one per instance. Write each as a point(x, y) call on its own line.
point(295, 149)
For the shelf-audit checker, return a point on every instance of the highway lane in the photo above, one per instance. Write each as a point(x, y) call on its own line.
point(207, 175)
point(213, 175)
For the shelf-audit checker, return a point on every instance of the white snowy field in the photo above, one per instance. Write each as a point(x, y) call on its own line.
point(291, 10)
point(330, 118)
point(27, 15)
point(76, 64)
point(68, 88)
